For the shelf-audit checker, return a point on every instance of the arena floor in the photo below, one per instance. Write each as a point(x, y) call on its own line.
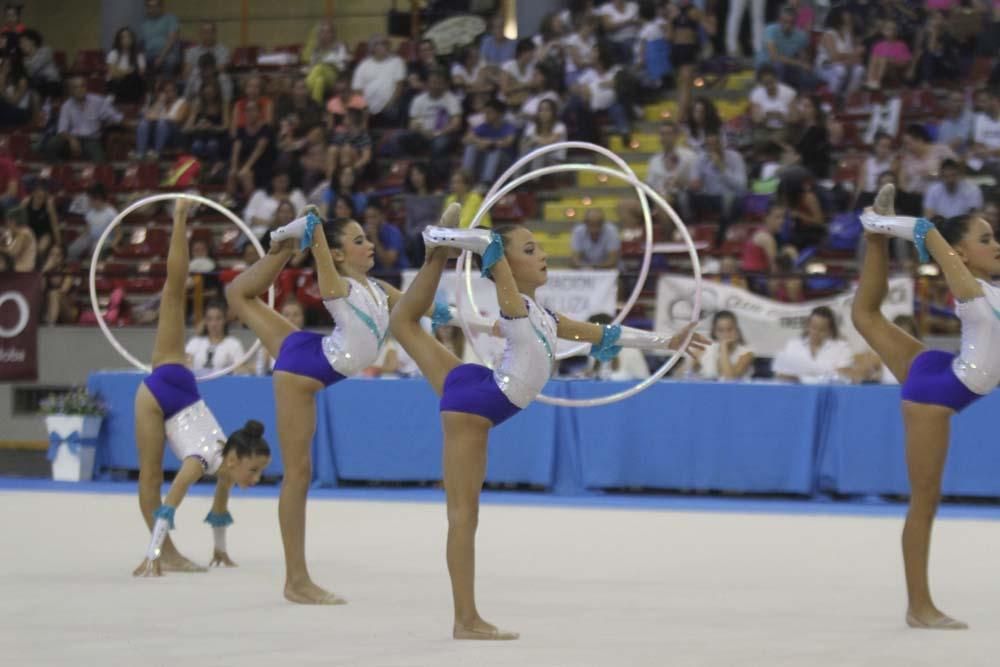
point(604, 581)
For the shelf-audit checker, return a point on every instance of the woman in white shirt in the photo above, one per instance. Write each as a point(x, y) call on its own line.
point(544, 130)
point(161, 121)
point(820, 355)
point(840, 55)
point(728, 357)
point(214, 348)
point(126, 68)
point(325, 58)
point(260, 210)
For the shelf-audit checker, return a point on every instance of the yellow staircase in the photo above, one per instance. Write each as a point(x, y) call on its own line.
point(555, 244)
point(589, 179)
point(573, 208)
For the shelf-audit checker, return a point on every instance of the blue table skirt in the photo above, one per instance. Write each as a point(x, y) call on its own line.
point(753, 438)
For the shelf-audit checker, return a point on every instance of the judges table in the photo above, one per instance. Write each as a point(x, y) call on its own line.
point(686, 436)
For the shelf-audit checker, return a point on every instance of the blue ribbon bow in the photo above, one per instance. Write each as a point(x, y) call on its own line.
point(441, 316)
point(492, 254)
point(311, 221)
point(606, 350)
point(219, 520)
point(73, 442)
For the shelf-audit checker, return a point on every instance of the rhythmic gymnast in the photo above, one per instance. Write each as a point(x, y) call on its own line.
point(306, 362)
point(935, 384)
point(474, 399)
point(169, 409)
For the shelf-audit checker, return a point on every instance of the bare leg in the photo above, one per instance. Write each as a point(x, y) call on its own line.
point(243, 293)
point(295, 401)
point(434, 359)
point(927, 432)
point(150, 439)
point(169, 345)
point(895, 347)
point(465, 443)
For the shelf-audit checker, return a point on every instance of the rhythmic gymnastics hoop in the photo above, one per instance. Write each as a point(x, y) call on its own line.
point(692, 254)
point(647, 254)
point(97, 253)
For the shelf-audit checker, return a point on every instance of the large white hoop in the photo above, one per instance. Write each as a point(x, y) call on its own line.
point(169, 196)
point(692, 254)
point(647, 217)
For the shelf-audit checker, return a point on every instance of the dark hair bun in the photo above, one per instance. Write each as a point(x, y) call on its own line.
point(253, 429)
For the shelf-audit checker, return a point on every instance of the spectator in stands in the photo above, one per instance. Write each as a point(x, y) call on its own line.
point(421, 206)
point(17, 241)
point(260, 210)
point(579, 48)
point(629, 364)
point(253, 153)
point(919, 165)
point(207, 69)
point(98, 214)
point(840, 55)
point(214, 347)
point(81, 118)
point(818, 356)
point(435, 120)
point(252, 94)
point(40, 65)
point(11, 29)
point(517, 79)
point(489, 147)
point(734, 21)
point(701, 119)
point(351, 145)
point(470, 74)
point(772, 105)
point(161, 122)
point(620, 22)
point(808, 138)
point(890, 57)
point(17, 100)
point(595, 243)
point(763, 250)
point(882, 159)
point(343, 186)
point(728, 357)
point(672, 171)
point(685, 26)
point(390, 257)
point(126, 75)
point(462, 193)
point(418, 72)
point(955, 129)
point(985, 151)
point(544, 130)
point(936, 57)
point(952, 195)
point(786, 50)
point(496, 49)
point(207, 126)
point(43, 219)
point(201, 256)
point(991, 213)
point(720, 181)
point(595, 92)
point(60, 284)
point(208, 42)
point(161, 39)
point(326, 58)
point(298, 109)
point(797, 192)
point(379, 78)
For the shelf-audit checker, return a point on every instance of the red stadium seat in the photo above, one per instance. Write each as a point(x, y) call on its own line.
point(245, 56)
point(142, 176)
point(89, 62)
point(16, 145)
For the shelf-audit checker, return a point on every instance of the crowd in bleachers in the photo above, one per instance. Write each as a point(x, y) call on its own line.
point(766, 157)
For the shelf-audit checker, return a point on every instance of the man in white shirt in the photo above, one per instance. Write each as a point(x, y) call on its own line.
point(595, 243)
point(672, 170)
point(208, 43)
point(99, 214)
point(771, 102)
point(379, 78)
point(952, 195)
point(720, 181)
point(620, 20)
point(435, 119)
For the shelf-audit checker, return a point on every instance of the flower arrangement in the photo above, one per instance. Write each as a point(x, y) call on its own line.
point(78, 401)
